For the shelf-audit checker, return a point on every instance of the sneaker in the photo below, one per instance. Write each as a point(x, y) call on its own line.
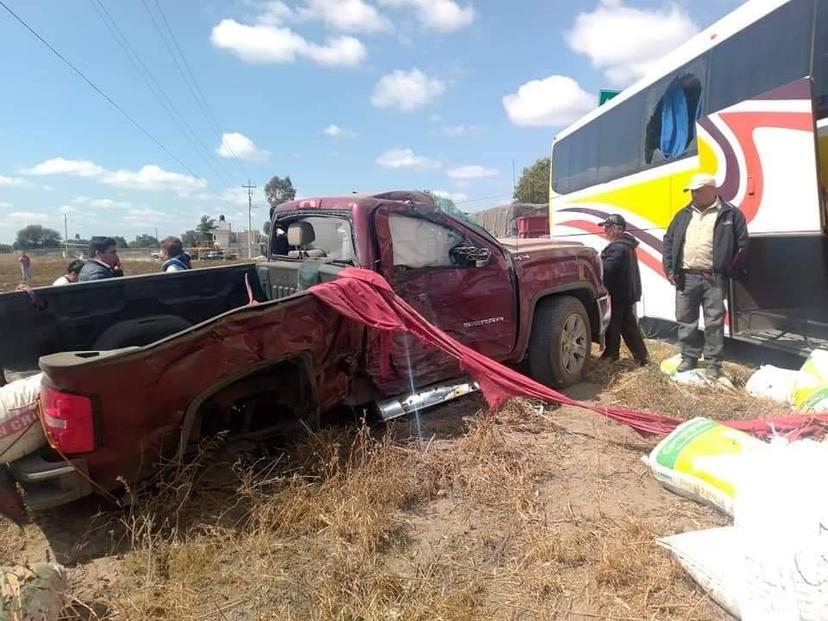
point(714, 372)
point(687, 364)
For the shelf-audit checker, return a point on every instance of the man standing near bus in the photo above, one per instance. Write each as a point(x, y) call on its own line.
point(623, 281)
point(704, 245)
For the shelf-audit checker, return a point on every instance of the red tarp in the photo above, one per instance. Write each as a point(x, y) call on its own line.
point(366, 297)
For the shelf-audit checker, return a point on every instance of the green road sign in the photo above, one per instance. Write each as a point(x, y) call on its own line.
point(605, 95)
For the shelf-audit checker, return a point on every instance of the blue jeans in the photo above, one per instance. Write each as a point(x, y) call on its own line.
point(707, 293)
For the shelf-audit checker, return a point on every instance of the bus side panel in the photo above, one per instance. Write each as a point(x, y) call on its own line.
point(762, 154)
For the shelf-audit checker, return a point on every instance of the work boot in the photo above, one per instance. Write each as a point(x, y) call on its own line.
point(643, 363)
point(714, 372)
point(687, 364)
point(609, 357)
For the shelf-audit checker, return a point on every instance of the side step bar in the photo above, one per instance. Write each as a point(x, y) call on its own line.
point(426, 398)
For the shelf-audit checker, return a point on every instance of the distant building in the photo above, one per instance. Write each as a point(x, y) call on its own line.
point(222, 233)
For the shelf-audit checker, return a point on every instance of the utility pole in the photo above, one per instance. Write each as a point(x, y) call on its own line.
point(156, 236)
point(249, 189)
point(65, 235)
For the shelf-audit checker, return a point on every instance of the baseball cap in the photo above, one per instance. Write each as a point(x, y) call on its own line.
point(615, 218)
point(699, 181)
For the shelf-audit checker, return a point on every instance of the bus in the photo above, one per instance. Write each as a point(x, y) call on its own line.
point(745, 100)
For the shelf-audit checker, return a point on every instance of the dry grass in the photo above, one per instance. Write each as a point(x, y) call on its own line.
point(648, 389)
point(46, 271)
point(503, 522)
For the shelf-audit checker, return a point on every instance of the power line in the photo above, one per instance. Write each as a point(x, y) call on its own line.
point(92, 85)
point(203, 105)
point(154, 86)
point(211, 114)
point(482, 198)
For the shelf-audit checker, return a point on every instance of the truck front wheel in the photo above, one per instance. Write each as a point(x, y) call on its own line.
point(560, 342)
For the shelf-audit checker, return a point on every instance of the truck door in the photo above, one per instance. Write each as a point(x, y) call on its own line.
point(430, 262)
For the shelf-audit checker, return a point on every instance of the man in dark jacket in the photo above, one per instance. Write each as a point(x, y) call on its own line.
point(104, 261)
point(623, 281)
point(705, 244)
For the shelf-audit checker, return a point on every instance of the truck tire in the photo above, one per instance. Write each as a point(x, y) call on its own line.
point(560, 343)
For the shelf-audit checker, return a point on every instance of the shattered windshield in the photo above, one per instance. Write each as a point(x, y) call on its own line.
point(328, 237)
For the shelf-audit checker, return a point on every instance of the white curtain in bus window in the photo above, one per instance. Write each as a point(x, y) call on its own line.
point(419, 243)
point(674, 106)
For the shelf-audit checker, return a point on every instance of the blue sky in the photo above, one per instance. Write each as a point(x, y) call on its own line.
point(342, 95)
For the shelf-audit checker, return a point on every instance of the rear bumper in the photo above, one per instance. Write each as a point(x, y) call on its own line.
point(48, 484)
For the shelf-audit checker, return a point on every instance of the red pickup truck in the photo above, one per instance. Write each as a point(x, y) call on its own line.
point(153, 382)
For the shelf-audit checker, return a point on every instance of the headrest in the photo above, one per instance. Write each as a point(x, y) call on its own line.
point(300, 233)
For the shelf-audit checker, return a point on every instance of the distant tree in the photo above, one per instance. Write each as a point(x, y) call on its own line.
point(6, 248)
point(189, 238)
point(266, 228)
point(144, 241)
point(36, 236)
point(205, 228)
point(120, 242)
point(533, 186)
point(279, 190)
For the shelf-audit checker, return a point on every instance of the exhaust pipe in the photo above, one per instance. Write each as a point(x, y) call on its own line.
point(429, 397)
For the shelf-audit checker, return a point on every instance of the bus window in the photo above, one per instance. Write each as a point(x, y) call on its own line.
point(767, 54)
point(560, 166)
point(583, 157)
point(820, 71)
point(620, 131)
point(674, 104)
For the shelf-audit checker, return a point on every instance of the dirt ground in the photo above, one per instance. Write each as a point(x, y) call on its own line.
point(46, 270)
point(536, 513)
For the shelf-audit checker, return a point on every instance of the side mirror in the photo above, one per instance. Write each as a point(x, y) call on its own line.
point(472, 256)
point(484, 258)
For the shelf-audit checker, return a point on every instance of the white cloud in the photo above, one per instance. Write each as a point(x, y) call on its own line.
point(233, 196)
point(472, 172)
point(457, 197)
point(149, 177)
point(406, 159)
point(108, 203)
point(439, 15)
point(11, 182)
point(145, 217)
point(611, 37)
point(28, 217)
point(339, 52)
point(238, 146)
point(61, 166)
point(552, 101)
point(263, 43)
point(406, 90)
point(335, 131)
point(274, 12)
point(345, 15)
point(5, 205)
point(456, 131)
point(48, 188)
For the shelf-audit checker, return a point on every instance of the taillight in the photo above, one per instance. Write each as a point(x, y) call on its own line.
point(68, 421)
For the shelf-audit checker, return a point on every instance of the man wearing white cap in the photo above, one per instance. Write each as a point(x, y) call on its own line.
point(704, 245)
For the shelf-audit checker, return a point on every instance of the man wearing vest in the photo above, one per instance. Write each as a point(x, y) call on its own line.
point(705, 244)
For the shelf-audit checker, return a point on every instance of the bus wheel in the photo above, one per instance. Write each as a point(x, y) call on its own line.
point(560, 342)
